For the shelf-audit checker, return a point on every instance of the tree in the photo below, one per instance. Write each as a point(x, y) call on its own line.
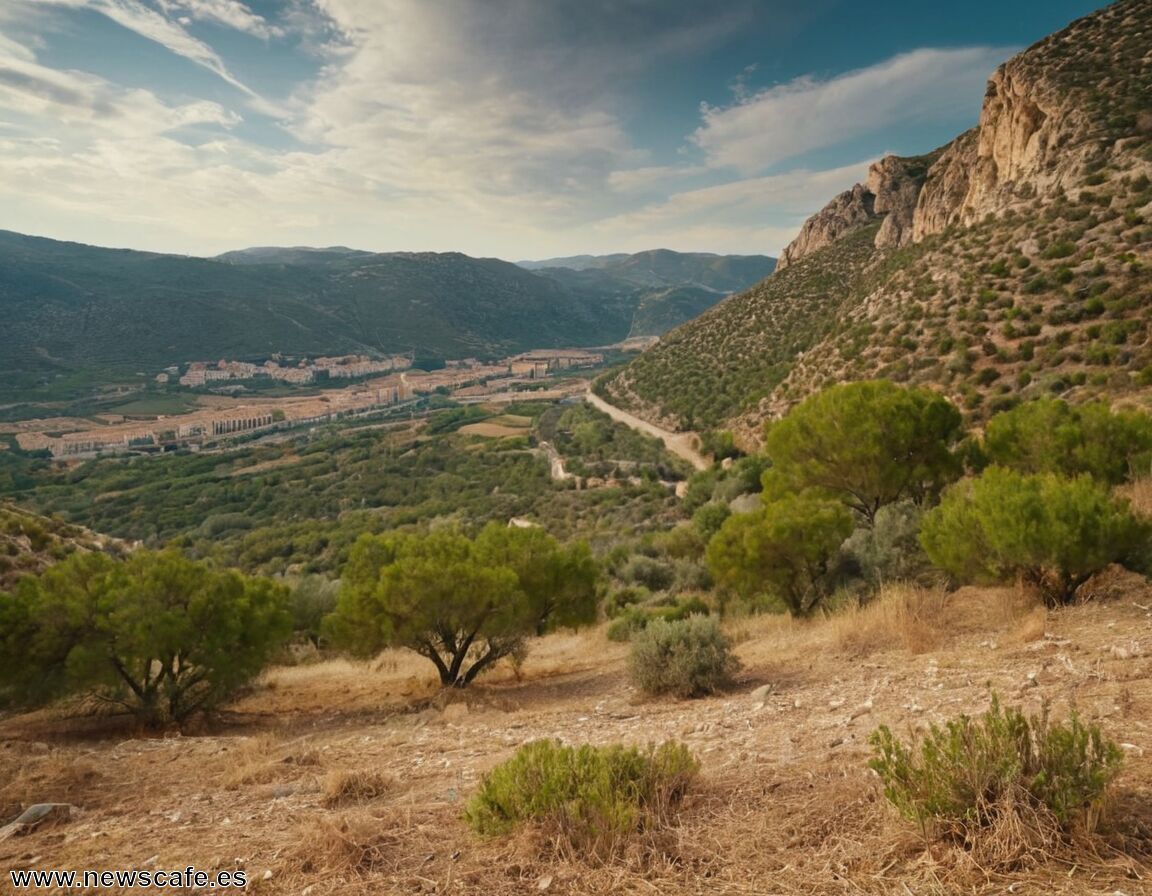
point(163, 636)
point(867, 444)
point(784, 549)
point(1052, 532)
point(1051, 436)
point(460, 603)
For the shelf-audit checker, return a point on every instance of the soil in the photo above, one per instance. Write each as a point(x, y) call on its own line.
point(785, 803)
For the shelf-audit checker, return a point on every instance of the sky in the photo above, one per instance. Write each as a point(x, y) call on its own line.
point(510, 128)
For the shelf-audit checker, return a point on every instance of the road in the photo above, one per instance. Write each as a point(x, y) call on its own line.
point(679, 443)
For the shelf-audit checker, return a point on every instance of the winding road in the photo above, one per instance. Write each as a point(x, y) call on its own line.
point(679, 443)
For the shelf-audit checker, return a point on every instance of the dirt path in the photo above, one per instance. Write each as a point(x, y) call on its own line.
point(679, 443)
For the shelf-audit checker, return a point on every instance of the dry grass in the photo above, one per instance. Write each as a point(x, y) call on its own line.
point(785, 804)
point(904, 616)
point(343, 786)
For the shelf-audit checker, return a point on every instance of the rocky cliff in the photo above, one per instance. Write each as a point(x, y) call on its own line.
point(1014, 262)
point(1047, 114)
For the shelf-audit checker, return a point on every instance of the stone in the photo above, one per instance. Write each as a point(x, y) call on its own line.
point(38, 815)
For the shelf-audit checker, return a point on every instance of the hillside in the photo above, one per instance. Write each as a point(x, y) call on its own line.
point(1014, 261)
point(29, 543)
point(77, 316)
point(785, 805)
point(663, 288)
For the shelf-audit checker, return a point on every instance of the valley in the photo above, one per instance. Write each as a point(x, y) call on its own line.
point(604, 571)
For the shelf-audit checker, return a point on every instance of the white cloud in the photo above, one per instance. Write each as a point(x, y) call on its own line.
point(767, 127)
point(760, 214)
point(154, 26)
point(230, 13)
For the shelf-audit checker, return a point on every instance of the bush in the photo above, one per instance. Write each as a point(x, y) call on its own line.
point(157, 634)
point(591, 799)
point(1052, 436)
point(890, 551)
point(1052, 532)
point(684, 657)
point(964, 776)
point(783, 550)
point(635, 619)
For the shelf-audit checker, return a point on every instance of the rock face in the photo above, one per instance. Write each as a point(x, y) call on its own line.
point(1046, 115)
point(890, 193)
point(851, 209)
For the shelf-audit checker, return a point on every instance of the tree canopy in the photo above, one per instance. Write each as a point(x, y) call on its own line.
point(161, 635)
point(461, 603)
point(1051, 436)
point(1052, 531)
point(783, 550)
point(866, 444)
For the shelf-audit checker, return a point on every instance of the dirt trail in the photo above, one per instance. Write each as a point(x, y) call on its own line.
point(679, 443)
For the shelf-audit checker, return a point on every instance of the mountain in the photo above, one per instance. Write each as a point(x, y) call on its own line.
point(1013, 262)
point(77, 316)
point(664, 288)
point(574, 262)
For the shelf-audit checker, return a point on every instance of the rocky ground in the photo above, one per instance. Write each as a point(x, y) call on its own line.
point(335, 778)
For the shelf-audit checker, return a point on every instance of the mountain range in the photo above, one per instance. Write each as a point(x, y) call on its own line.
point(83, 315)
point(1015, 261)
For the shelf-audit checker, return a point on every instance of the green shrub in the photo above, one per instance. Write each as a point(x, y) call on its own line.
point(1052, 532)
point(890, 551)
point(1051, 436)
point(783, 550)
point(635, 619)
point(963, 776)
point(591, 799)
point(684, 657)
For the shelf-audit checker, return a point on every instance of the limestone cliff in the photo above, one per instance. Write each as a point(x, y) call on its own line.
point(889, 195)
point(851, 209)
point(1048, 113)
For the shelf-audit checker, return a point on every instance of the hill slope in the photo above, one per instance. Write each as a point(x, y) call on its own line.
point(83, 314)
point(1014, 261)
point(663, 288)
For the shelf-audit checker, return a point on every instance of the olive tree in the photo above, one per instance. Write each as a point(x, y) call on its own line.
point(461, 603)
point(1050, 531)
point(866, 444)
point(1051, 436)
point(158, 634)
point(783, 549)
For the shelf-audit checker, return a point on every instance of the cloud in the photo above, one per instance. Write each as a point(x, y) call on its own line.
point(154, 26)
point(510, 104)
point(759, 214)
point(762, 129)
point(230, 13)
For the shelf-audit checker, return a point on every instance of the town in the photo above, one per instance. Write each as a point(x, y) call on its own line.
point(232, 415)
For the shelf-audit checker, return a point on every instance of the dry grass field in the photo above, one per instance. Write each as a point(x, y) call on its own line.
point(343, 778)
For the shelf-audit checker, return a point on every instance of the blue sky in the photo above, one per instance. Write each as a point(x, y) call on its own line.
point(511, 128)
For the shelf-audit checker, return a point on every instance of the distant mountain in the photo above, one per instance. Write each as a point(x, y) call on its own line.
point(665, 288)
point(574, 262)
point(1014, 262)
point(77, 316)
point(290, 255)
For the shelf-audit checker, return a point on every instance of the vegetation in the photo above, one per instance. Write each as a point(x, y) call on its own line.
point(1052, 532)
point(867, 444)
point(783, 550)
point(162, 636)
point(157, 310)
point(1051, 436)
point(591, 799)
point(686, 658)
point(463, 604)
point(296, 507)
point(962, 778)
